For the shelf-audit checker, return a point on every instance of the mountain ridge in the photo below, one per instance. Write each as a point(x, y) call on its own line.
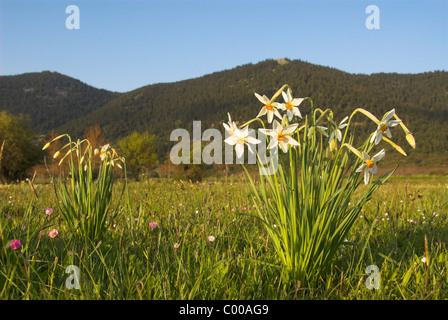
point(49, 98)
point(421, 100)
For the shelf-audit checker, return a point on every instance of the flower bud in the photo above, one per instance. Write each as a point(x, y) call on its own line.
point(410, 139)
point(46, 145)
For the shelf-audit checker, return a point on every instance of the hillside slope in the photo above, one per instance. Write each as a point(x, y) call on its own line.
point(421, 100)
point(55, 101)
point(50, 98)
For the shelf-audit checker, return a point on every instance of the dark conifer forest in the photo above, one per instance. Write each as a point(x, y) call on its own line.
point(57, 102)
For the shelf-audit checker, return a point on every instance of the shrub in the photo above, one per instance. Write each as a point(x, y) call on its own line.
point(139, 151)
point(19, 153)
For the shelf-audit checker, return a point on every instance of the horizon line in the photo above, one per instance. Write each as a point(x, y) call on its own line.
point(224, 70)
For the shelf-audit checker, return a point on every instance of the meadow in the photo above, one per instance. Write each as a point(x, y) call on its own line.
point(176, 240)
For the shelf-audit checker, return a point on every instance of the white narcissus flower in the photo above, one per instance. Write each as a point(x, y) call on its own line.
point(103, 151)
point(383, 127)
point(240, 138)
point(270, 108)
point(291, 105)
point(369, 166)
point(336, 133)
point(231, 127)
point(320, 129)
point(281, 136)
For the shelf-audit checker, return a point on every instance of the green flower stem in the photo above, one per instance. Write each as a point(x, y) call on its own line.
point(253, 120)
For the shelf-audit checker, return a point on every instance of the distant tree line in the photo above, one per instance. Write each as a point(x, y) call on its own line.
point(54, 101)
point(420, 100)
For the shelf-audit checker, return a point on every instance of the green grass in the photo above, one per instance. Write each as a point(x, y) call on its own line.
point(132, 261)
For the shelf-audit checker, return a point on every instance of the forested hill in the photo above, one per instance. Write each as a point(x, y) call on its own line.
point(421, 100)
point(50, 98)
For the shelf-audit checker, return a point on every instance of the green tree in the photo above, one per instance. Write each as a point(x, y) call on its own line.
point(139, 151)
point(19, 150)
point(193, 172)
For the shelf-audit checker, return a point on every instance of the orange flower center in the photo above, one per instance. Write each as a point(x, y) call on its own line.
point(288, 105)
point(384, 128)
point(269, 107)
point(370, 164)
point(280, 137)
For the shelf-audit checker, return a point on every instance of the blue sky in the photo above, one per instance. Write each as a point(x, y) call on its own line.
point(123, 45)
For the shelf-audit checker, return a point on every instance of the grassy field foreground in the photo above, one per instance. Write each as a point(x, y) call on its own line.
point(176, 240)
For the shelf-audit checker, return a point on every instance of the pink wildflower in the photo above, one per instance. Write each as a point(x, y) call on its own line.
point(153, 225)
point(15, 244)
point(53, 233)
